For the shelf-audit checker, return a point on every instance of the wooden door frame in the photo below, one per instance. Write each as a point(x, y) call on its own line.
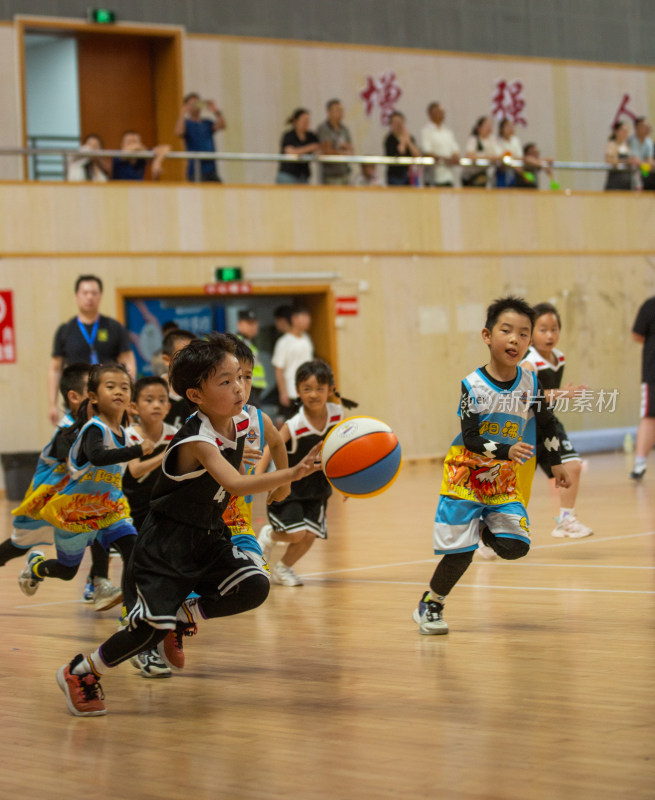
point(28, 24)
point(319, 297)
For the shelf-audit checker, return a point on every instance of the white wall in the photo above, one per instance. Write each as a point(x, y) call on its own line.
point(53, 106)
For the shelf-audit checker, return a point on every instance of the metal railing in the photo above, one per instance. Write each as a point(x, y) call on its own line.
point(67, 154)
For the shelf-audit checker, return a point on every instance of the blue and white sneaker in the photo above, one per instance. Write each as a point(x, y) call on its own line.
point(88, 593)
point(428, 616)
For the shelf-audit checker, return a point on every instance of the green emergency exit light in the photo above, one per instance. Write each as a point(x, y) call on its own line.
point(228, 274)
point(103, 16)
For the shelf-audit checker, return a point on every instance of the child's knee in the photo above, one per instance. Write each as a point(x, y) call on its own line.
point(511, 549)
point(66, 573)
point(258, 588)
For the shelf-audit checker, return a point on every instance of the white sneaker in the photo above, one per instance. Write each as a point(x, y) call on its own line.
point(486, 552)
point(571, 527)
point(428, 617)
point(27, 580)
point(285, 576)
point(266, 541)
point(105, 594)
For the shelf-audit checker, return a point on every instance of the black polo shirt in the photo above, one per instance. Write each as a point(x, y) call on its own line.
point(645, 326)
point(112, 339)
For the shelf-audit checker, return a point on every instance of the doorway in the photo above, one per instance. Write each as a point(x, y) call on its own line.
point(118, 78)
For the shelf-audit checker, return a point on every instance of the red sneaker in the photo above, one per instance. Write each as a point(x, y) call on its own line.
point(171, 647)
point(84, 693)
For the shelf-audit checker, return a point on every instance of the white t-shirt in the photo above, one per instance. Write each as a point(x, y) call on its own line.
point(288, 354)
point(437, 140)
point(512, 146)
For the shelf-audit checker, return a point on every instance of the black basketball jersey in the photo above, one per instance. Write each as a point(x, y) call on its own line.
point(303, 438)
point(550, 376)
point(139, 490)
point(195, 498)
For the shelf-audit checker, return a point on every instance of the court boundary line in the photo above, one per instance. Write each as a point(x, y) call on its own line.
point(587, 539)
point(492, 586)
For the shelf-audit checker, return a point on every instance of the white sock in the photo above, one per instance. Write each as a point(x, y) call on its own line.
point(640, 463)
point(189, 612)
point(92, 663)
point(565, 512)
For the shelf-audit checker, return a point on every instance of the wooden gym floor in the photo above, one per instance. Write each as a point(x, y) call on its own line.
point(543, 689)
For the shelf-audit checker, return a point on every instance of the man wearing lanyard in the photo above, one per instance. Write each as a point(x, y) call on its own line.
point(89, 337)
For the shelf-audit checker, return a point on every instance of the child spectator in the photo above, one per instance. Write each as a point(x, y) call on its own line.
point(299, 520)
point(483, 494)
point(91, 504)
point(548, 362)
point(291, 350)
point(197, 123)
point(184, 545)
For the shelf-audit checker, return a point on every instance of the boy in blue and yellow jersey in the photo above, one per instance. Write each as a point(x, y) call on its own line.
point(485, 487)
point(261, 432)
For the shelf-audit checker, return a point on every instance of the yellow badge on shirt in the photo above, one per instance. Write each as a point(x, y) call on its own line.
point(103, 335)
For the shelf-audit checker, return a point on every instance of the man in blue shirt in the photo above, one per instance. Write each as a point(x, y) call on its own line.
point(198, 130)
point(134, 169)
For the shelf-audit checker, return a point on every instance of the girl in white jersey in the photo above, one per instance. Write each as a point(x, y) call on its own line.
point(547, 361)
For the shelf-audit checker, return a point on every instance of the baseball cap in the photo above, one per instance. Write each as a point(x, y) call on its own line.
point(247, 314)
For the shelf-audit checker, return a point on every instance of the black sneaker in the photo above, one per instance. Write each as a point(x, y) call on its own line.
point(638, 474)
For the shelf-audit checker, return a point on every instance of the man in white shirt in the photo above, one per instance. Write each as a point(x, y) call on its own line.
point(440, 142)
point(291, 350)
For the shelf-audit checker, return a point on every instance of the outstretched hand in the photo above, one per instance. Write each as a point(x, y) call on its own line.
point(310, 463)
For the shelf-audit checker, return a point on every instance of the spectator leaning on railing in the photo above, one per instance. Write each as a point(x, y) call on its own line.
point(439, 141)
point(124, 168)
point(480, 144)
point(335, 140)
point(617, 153)
point(399, 143)
point(85, 167)
point(641, 150)
point(197, 123)
point(301, 141)
point(508, 145)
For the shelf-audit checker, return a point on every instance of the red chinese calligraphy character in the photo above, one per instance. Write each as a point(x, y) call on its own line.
point(383, 92)
point(507, 101)
point(623, 110)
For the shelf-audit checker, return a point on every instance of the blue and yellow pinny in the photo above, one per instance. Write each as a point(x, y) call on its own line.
point(238, 514)
point(50, 474)
point(476, 486)
point(91, 505)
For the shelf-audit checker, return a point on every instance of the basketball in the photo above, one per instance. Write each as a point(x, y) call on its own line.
point(361, 457)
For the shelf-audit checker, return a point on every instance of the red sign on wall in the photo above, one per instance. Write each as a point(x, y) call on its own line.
point(228, 287)
point(7, 335)
point(347, 306)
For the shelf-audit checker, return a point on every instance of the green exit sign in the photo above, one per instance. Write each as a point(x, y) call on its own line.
point(103, 16)
point(227, 274)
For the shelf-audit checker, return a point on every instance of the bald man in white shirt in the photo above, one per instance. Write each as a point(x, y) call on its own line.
point(440, 142)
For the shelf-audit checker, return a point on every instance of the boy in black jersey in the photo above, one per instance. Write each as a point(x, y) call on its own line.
point(184, 544)
point(179, 409)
